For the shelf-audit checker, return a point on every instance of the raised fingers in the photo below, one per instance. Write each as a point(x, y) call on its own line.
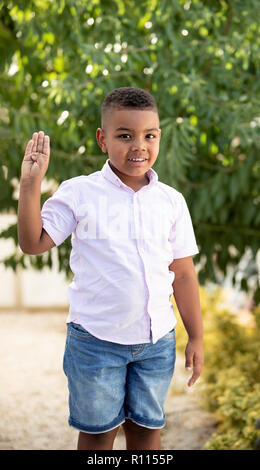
point(40, 142)
point(46, 145)
point(29, 147)
point(35, 140)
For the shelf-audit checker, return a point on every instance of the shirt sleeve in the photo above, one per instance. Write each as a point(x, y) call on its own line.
point(58, 214)
point(182, 237)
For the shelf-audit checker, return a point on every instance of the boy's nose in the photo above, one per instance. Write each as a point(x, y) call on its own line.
point(138, 144)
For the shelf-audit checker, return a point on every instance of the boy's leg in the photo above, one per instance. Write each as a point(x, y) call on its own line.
point(149, 376)
point(141, 438)
point(102, 441)
point(96, 372)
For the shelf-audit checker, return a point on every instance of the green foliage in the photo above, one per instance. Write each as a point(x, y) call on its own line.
point(231, 373)
point(201, 62)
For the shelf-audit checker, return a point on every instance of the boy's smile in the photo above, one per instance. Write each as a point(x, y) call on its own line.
point(131, 138)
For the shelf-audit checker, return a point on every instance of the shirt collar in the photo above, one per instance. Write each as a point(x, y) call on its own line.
point(108, 173)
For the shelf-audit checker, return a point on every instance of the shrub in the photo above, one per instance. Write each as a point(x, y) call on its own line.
point(231, 372)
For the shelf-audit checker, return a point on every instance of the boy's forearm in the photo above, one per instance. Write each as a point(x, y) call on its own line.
point(29, 215)
point(186, 294)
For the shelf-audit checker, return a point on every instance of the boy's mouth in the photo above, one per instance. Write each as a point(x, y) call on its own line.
point(137, 161)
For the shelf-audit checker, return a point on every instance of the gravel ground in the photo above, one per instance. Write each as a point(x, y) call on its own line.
point(34, 395)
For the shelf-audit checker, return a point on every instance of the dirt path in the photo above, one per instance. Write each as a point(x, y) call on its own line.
point(33, 392)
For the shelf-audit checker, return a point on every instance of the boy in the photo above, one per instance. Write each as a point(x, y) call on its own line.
point(132, 242)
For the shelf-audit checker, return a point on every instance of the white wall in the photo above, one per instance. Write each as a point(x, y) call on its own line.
point(29, 288)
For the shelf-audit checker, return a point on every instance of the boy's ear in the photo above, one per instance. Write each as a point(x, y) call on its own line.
point(101, 140)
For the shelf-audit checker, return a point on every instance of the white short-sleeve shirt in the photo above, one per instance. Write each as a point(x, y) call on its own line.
point(122, 245)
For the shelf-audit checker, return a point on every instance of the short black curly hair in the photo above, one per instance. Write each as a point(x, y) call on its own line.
point(128, 97)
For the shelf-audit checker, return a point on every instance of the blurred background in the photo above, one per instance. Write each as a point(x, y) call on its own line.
point(200, 60)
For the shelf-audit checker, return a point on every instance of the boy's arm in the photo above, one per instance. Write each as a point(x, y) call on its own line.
point(186, 294)
point(32, 238)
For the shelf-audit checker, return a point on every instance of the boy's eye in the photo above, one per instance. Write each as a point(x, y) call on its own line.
point(128, 136)
point(124, 136)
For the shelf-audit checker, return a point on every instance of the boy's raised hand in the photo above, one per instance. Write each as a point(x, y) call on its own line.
point(36, 157)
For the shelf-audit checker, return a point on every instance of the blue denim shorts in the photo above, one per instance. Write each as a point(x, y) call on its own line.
point(110, 382)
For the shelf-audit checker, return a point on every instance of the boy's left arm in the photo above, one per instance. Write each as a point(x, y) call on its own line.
point(186, 294)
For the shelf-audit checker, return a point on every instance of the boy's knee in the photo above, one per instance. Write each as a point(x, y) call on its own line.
point(101, 438)
point(141, 431)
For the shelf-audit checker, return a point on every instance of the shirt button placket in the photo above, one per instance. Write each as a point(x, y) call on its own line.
point(140, 241)
point(136, 218)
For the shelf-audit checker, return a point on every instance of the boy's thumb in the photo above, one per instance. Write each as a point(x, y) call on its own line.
point(188, 363)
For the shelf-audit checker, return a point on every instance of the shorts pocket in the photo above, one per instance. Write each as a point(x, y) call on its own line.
point(78, 331)
point(170, 335)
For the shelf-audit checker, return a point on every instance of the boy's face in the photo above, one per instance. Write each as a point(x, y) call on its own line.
point(130, 134)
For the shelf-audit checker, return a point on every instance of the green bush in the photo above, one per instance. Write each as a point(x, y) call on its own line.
point(231, 373)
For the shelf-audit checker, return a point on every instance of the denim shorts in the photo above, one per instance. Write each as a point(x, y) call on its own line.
point(110, 382)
